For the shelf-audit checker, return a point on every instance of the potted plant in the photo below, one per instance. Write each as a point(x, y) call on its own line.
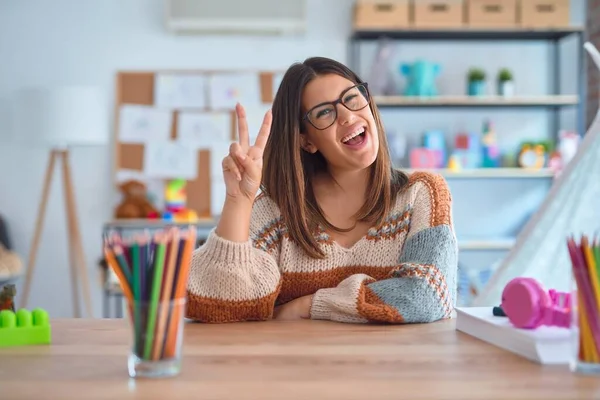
point(506, 86)
point(476, 82)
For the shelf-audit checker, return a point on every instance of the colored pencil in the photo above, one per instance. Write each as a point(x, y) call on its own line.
point(181, 247)
point(179, 293)
point(165, 295)
point(152, 306)
point(116, 268)
point(153, 272)
point(585, 263)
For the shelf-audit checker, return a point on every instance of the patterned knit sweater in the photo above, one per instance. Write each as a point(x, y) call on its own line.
point(403, 271)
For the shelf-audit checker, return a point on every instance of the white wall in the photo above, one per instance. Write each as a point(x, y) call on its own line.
point(86, 42)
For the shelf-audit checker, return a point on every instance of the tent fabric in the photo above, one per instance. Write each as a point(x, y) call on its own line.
point(572, 207)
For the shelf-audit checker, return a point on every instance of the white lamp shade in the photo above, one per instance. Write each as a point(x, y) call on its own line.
point(61, 117)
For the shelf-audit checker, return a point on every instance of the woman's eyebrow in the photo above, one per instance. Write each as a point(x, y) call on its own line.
point(331, 101)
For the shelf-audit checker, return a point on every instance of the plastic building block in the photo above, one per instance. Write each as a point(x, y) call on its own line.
point(24, 327)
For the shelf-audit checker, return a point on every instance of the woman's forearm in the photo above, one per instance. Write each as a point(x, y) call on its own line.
point(234, 223)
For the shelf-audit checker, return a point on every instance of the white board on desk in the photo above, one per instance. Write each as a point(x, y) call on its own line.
point(544, 345)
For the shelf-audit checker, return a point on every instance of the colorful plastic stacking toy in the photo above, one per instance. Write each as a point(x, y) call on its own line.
point(175, 203)
point(24, 327)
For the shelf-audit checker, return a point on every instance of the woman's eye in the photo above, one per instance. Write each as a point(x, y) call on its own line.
point(349, 98)
point(323, 113)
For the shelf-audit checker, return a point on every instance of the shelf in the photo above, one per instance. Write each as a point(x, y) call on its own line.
point(142, 223)
point(477, 101)
point(469, 34)
point(486, 244)
point(486, 173)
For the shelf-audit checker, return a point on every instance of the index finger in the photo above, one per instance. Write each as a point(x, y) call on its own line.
point(242, 127)
point(265, 130)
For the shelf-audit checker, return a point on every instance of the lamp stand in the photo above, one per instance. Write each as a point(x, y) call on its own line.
point(76, 255)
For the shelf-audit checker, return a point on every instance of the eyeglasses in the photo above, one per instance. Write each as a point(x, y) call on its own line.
point(324, 115)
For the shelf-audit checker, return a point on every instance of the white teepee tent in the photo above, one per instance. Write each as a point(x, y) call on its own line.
point(571, 207)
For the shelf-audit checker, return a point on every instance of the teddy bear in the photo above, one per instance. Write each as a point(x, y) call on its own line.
point(11, 264)
point(135, 203)
point(7, 297)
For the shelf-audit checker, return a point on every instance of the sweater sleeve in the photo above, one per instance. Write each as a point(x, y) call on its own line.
point(422, 287)
point(231, 281)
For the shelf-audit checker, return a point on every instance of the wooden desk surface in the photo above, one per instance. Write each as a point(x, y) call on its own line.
point(286, 360)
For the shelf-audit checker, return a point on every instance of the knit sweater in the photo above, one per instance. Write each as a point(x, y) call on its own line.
point(402, 271)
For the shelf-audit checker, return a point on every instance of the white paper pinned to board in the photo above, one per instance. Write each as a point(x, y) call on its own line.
point(144, 124)
point(170, 159)
point(202, 128)
point(180, 90)
point(227, 89)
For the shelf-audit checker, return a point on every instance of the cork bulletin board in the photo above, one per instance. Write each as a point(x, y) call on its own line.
point(138, 88)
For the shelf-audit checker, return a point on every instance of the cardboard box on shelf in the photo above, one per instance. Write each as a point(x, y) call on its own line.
point(492, 13)
point(432, 14)
point(544, 13)
point(381, 14)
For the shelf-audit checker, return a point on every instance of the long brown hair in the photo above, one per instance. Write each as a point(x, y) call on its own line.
point(288, 170)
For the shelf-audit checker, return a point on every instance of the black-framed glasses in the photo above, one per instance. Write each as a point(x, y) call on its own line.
point(323, 115)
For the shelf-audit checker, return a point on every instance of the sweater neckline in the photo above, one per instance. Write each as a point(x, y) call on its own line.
point(329, 239)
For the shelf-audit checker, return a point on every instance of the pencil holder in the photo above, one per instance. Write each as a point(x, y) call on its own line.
point(153, 274)
point(157, 335)
point(585, 316)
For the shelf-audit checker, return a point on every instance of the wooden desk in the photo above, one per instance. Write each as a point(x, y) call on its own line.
point(286, 360)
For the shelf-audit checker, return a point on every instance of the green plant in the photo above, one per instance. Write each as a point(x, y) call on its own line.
point(476, 75)
point(505, 75)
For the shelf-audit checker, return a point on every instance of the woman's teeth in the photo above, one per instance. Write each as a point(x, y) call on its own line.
point(353, 135)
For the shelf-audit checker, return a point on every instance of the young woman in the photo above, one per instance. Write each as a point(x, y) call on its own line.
point(335, 233)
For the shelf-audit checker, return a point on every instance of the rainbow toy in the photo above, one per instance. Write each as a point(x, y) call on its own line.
point(175, 202)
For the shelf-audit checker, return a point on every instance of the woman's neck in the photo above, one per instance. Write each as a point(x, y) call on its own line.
point(347, 183)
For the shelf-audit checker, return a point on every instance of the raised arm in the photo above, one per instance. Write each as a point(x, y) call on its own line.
point(423, 287)
point(234, 276)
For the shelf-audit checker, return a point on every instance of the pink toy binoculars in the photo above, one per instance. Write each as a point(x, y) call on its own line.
point(528, 305)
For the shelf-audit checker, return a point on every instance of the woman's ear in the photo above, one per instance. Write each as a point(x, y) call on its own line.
point(306, 144)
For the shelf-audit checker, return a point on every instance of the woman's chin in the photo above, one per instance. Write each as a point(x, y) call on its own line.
point(364, 161)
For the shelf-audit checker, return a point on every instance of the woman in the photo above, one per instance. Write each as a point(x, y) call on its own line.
point(336, 233)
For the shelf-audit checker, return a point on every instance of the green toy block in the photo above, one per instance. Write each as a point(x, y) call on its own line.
point(24, 327)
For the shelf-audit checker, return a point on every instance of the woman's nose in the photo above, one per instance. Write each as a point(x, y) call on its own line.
point(345, 116)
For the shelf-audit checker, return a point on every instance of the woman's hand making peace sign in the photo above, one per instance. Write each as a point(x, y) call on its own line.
point(242, 168)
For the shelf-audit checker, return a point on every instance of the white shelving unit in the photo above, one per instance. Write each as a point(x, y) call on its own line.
point(488, 173)
point(477, 101)
point(486, 244)
point(476, 251)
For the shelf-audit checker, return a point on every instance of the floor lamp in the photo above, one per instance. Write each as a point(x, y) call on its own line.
point(60, 119)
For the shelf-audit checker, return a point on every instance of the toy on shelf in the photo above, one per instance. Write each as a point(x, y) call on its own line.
point(7, 297)
point(559, 158)
point(423, 158)
point(491, 152)
point(381, 81)
point(420, 77)
point(454, 163)
point(175, 203)
point(467, 150)
point(532, 156)
point(24, 327)
point(436, 142)
point(135, 202)
point(398, 145)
